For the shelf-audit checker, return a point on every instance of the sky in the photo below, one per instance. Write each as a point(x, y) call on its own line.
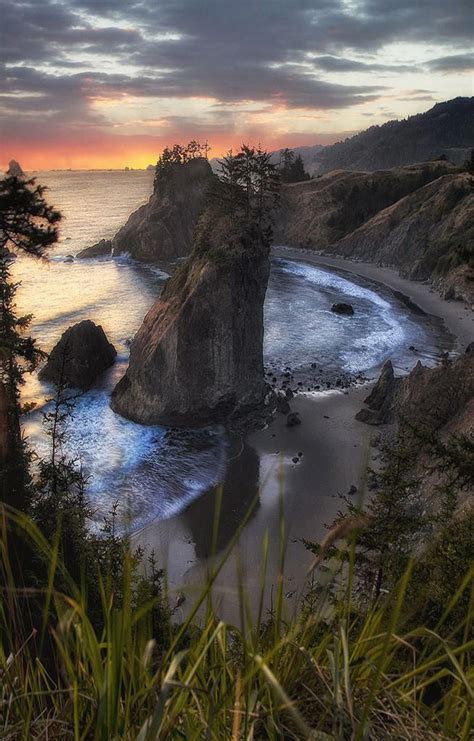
point(109, 83)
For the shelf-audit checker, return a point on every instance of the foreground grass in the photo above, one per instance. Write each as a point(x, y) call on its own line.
point(351, 676)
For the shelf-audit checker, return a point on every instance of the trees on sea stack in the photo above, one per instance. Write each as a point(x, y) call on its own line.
point(249, 184)
point(198, 356)
point(179, 154)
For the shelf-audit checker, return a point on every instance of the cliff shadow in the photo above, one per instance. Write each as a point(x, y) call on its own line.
point(239, 498)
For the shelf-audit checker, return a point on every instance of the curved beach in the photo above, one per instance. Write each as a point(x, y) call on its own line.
point(335, 452)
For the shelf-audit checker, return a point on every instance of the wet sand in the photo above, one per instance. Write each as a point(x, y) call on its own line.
point(334, 448)
point(263, 480)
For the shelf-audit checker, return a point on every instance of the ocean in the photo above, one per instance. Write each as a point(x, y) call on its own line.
point(152, 472)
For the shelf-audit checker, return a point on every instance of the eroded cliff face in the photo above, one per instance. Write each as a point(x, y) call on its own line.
point(428, 235)
point(198, 356)
point(427, 399)
point(163, 228)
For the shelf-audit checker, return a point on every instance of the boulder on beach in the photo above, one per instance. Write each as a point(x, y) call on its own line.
point(82, 353)
point(344, 309)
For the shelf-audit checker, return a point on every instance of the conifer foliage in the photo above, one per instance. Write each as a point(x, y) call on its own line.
point(27, 225)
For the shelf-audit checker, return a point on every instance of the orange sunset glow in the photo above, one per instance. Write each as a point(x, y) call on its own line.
point(107, 87)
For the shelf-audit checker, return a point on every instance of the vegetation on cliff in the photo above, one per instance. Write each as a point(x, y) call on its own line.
point(198, 356)
point(291, 167)
point(318, 213)
point(428, 235)
point(446, 129)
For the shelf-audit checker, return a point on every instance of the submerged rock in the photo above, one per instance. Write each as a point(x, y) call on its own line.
point(293, 419)
point(198, 356)
point(82, 353)
point(344, 309)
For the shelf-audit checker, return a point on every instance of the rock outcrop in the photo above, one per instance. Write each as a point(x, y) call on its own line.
point(428, 235)
point(343, 309)
point(380, 402)
point(427, 399)
point(82, 353)
point(163, 228)
point(198, 357)
point(318, 213)
point(15, 170)
point(100, 249)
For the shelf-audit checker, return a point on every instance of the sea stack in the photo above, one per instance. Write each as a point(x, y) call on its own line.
point(164, 227)
point(82, 354)
point(14, 170)
point(198, 356)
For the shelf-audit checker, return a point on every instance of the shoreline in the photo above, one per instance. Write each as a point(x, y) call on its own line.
point(263, 478)
point(457, 317)
point(335, 451)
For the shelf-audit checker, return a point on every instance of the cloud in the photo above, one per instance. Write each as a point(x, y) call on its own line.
point(60, 57)
point(453, 63)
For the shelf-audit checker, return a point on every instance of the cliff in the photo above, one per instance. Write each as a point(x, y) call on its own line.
point(428, 235)
point(446, 129)
point(198, 358)
point(428, 399)
point(163, 228)
point(319, 212)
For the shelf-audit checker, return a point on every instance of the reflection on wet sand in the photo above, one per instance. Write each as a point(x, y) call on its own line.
point(230, 504)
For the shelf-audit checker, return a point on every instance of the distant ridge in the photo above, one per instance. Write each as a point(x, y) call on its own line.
point(446, 129)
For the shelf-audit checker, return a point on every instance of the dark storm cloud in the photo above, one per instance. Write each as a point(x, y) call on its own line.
point(345, 64)
point(273, 51)
point(453, 63)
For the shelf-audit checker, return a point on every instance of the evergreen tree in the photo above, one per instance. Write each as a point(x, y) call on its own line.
point(252, 183)
point(292, 167)
point(27, 225)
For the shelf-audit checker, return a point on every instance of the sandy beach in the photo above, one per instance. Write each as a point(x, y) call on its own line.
point(334, 448)
point(457, 316)
point(301, 471)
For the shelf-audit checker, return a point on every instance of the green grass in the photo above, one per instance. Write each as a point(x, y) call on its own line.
point(333, 673)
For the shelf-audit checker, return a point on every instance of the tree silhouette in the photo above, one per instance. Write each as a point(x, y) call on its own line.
point(252, 182)
point(292, 167)
point(27, 225)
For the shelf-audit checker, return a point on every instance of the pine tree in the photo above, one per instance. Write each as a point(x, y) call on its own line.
point(27, 225)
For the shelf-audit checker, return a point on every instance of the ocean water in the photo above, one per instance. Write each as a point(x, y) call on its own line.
point(152, 471)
